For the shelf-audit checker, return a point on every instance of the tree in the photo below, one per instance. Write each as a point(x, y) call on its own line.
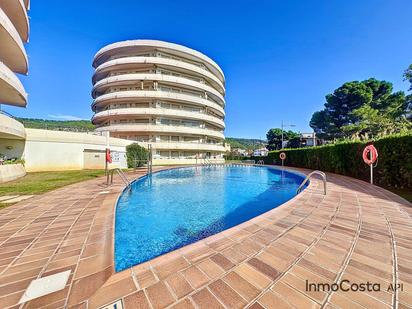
point(366, 107)
point(321, 124)
point(136, 155)
point(274, 137)
point(407, 75)
point(294, 142)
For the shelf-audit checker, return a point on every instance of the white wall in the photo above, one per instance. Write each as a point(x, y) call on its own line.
point(48, 150)
point(11, 172)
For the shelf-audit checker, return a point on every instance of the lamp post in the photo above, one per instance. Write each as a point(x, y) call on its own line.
point(283, 126)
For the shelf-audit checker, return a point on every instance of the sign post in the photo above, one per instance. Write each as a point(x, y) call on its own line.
point(371, 168)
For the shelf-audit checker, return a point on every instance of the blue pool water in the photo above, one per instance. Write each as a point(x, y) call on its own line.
point(176, 207)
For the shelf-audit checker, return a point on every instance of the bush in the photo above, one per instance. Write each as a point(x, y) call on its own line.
point(232, 157)
point(394, 167)
point(136, 155)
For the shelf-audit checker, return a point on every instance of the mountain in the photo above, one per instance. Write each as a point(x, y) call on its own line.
point(86, 125)
point(62, 125)
point(245, 143)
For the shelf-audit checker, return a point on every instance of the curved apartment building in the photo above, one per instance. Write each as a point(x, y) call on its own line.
point(162, 94)
point(14, 32)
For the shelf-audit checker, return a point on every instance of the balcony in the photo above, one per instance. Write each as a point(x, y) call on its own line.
point(181, 114)
point(139, 62)
point(11, 89)
point(130, 127)
point(134, 95)
point(12, 51)
point(17, 13)
point(11, 128)
point(168, 80)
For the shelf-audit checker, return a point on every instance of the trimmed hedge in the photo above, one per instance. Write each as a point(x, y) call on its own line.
point(394, 168)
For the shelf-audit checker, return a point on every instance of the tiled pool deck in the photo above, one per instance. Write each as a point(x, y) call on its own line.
point(356, 232)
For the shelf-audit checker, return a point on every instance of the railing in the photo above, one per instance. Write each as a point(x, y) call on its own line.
point(120, 173)
point(320, 173)
point(6, 113)
point(260, 162)
point(249, 161)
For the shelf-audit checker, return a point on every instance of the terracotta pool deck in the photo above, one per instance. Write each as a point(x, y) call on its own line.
point(356, 232)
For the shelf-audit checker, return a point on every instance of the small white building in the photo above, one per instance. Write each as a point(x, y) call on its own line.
point(240, 152)
point(262, 152)
point(309, 139)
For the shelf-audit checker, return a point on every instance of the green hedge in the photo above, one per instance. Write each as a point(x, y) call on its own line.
point(394, 167)
point(137, 155)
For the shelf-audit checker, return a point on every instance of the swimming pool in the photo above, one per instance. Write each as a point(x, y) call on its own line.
point(176, 207)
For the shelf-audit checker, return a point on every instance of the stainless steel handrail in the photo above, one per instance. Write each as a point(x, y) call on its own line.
point(120, 173)
point(320, 173)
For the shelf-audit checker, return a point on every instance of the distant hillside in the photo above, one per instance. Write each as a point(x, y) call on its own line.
point(86, 125)
point(245, 143)
point(72, 125)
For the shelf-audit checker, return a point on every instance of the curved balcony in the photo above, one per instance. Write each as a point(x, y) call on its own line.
point(123, 96)
point(137, 62)
point(152, 128)
point(143, 45)
point(17, 13)
point(11, 89)
point(185, 146)
point(11, 128)
point(180, 114)
point(134, 79)
point(12, 51)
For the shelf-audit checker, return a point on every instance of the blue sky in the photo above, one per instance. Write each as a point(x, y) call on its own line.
point(280, 58)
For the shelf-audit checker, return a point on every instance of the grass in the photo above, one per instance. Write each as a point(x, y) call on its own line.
point(41, 182)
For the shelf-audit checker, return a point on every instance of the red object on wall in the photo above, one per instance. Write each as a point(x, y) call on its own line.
point(108, 156)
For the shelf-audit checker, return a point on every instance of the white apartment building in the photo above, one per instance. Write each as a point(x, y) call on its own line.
point(14, 32)
point(163, 94)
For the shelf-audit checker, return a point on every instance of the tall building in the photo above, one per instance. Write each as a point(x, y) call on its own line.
point(162, 94)
point(14, 32)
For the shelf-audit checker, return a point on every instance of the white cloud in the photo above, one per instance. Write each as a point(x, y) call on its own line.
point(65, 117)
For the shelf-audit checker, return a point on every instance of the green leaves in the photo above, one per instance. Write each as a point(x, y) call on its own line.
point(274, 137)
point(136, 155)
point(394, 167)
point(366, 108)
point(407, 75)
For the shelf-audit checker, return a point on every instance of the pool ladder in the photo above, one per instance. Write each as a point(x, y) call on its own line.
point(320, 173)
point(121, 175)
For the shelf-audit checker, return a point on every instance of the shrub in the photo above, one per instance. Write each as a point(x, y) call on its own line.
point(136, 155)
point(394, 166)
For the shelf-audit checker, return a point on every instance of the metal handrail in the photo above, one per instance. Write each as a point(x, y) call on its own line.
point(320, 173)
point(261, 162)
point(120, 173)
